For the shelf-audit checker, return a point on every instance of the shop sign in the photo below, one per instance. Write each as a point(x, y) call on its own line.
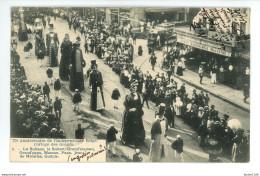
point(202, 45)
point(245, 56)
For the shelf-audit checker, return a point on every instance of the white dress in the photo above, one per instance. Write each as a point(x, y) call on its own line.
point(164, 128)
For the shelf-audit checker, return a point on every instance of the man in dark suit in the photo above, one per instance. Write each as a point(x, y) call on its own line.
point(79, 133)
point(46, 91)
point(57, 107)
point(57, 88)
point(152, 60)
point(111, 138)
point(177, 145)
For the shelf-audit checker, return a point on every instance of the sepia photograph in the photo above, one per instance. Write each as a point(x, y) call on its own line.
point(130, 84)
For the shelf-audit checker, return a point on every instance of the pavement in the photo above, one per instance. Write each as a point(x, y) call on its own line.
point(95, 124)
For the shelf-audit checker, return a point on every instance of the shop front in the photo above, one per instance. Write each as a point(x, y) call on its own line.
point(209, 53)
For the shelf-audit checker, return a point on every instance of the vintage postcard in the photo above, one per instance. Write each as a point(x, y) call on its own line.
point(130, 84)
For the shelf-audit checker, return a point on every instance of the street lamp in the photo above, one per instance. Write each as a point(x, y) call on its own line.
point(22, 28)
point(167, 34)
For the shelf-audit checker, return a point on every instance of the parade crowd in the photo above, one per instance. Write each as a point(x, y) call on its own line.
point(33, 110)
point(116, 49)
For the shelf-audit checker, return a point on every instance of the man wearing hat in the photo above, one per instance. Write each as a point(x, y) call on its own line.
point(79, 133)
point(111, 139)
point(152, 60)
point(76, 100)
point(76, 67)
point(177, 145)
point(52, 43)
point(57, 107)
point(57, 88)
point(46, 91)
point(136, 157)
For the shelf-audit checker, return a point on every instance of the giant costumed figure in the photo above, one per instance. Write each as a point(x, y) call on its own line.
point(52, 43)
point(95, 83)
point(76, 68)
point(22, 33)
point(66, 47)
point(40, 49)
point(132, 125)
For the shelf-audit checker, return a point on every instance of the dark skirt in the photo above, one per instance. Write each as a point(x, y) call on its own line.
point(77, 81)
point(54, 59)
point(132, 128)
point(64, 69)
point(179, 71)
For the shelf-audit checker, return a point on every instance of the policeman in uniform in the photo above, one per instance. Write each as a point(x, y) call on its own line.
point(95, 82)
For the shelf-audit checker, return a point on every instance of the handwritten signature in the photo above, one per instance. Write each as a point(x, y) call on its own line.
point(88, 155)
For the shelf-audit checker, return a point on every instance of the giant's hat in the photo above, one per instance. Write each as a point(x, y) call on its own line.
point(51, 26)
point(93, 62)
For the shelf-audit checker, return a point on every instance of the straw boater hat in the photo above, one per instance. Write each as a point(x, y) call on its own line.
point(53, 130)
point(162, 105)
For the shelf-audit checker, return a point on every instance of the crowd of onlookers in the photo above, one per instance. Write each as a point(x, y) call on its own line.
point(32, 112)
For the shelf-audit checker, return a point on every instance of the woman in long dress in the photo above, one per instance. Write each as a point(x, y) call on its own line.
point(40, 49)
point(221, 74)
point(213, 74)
point(179, 69)
point(132, 125)
point(66, 47)
point(52, 43)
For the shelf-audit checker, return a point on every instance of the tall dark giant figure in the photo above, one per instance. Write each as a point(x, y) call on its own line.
point(52, 44)
point(66, 47)
point(95, 82)
point(22, 33)
point(76, 68)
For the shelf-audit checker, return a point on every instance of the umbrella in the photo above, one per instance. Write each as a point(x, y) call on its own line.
point(234, 124)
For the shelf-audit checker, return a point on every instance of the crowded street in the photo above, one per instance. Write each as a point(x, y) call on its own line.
point(99, 110)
